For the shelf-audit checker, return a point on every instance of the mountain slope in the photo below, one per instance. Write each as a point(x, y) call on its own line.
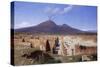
point(49, 26)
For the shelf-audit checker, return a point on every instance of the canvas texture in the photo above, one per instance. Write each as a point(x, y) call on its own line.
point(48, 33)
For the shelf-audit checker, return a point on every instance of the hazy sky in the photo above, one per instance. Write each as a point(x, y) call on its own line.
point(30, 14)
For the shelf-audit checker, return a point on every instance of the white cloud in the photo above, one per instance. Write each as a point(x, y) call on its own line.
point(52, 10)
point(58, 10)
point(23, 24)
point(66, 9)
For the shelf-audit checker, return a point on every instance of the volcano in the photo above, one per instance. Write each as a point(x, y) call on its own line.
point(50, 27)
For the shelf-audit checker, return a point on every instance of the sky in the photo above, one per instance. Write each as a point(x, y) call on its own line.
point(81, 17)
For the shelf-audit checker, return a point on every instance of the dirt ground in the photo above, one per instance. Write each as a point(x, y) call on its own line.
point(24, 45)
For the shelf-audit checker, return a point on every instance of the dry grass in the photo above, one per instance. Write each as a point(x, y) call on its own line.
point(21, 48)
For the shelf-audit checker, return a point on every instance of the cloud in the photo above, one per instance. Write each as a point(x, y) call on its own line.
point(67, 9)
point(23, 24)
point(50, 10)
point(58, 10)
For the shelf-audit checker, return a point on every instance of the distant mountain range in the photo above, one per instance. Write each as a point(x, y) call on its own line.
point(49, 27)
